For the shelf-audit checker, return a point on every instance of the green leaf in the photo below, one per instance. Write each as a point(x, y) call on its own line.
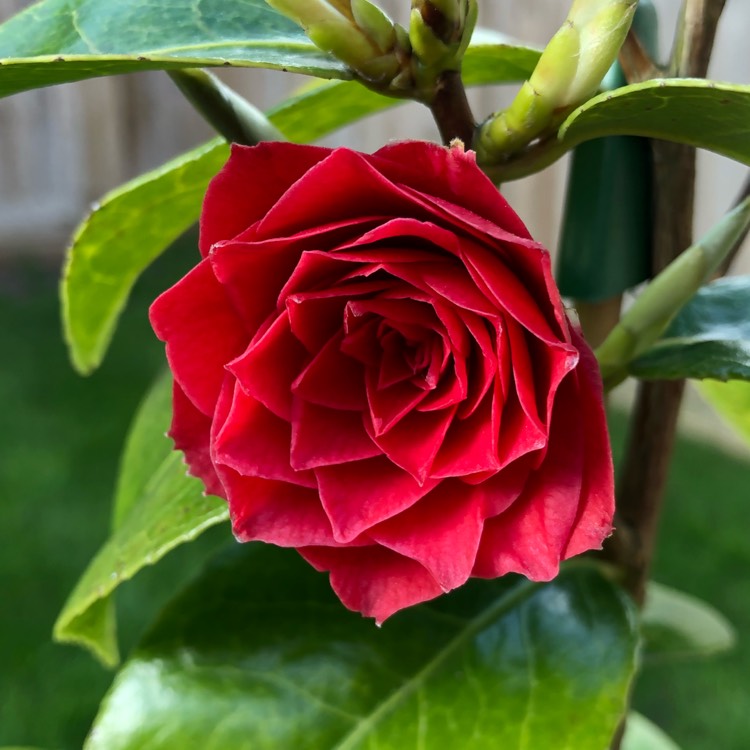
point(700, 113)
point(694, 111)
point(120, 238)
point(732, 401)
point(642, 734)
point(258, 653)
point(57, 41)
point(709, 338)
point(677, 625)
point(157, 508)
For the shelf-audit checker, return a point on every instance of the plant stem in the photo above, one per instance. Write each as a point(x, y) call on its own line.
point(451, 109)
point(654, 421)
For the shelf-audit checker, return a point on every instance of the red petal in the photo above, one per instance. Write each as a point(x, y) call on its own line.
point(332, 379)
point(445, 173)
point(471, 444)
point(202, 333)
point(414, 442)
point(250, 183)
point(530, 538)
point(597, 505)
point(508, 291)
point(270, 365)
point(389, 405)
point(254, 442)
point(191, 431)
point(373, 580)
point(253, 273)
point(275, 512)
point(441, 532)
point(317, 316)
point(325, 437)
point(336, 189)
point(360, 494)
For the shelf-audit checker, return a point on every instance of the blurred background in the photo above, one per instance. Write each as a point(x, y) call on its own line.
point(60, 149)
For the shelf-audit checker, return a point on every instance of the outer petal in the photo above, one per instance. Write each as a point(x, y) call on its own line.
point(441, 532)
point(360, 494)
point(202, 333)
point(531, 536)
point(374, 580)
point(446, 173)
point(597, 506)
point(250, 183)
point(190, 431)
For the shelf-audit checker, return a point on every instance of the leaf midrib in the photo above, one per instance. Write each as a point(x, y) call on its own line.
point(502, 605)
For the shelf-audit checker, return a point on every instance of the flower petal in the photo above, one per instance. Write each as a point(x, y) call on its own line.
point(249, 184)
point(441, 532)
point(269, 366)
point(190, 431)
point(358, 495)
point(373, 580)
point(531, 536)
point(255, 442)
point(202, 333)
point(597, 505)
point(326, 437)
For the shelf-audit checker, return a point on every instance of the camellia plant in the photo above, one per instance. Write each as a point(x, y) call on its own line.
point(374, 376)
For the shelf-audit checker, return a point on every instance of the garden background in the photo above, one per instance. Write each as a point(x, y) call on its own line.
point(62, 148)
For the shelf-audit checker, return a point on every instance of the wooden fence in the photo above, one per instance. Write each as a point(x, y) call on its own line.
point(61, 148)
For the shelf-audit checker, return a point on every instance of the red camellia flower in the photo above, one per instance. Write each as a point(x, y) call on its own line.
point(372, 364)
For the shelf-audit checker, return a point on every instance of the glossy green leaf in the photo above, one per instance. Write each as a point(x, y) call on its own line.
point(57, 41)
point(697, 112)
point(260, 654)
point(709, 338)
point(701, 113)
point(157, 507)
point(120, 238)
point(677, 625)
point(642, 734)
point(732, 401)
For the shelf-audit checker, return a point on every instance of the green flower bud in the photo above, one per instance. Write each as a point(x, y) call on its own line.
point(426, 45)
point(439, 33)
point(375, 23)
point(568, 72)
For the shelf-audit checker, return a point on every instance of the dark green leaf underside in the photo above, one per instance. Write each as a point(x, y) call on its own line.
point(710, 338)
point(259, 654)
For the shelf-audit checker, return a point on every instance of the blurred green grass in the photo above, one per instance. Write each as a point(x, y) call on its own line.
point(61, 436)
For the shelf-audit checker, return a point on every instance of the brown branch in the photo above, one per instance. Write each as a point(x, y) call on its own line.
point(635, 61)
point(451, 109)
point(695, 40)
point(654, 421)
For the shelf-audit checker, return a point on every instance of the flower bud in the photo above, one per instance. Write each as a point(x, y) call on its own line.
point(355, 31)
point(568, 72)
point(440, 31)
